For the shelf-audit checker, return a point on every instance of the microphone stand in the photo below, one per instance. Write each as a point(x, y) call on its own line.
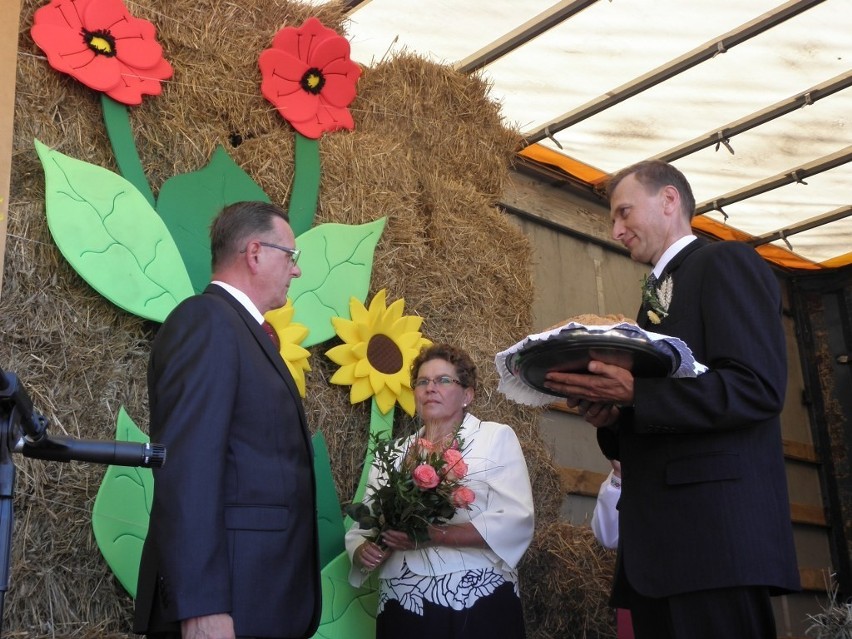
point(24, 430)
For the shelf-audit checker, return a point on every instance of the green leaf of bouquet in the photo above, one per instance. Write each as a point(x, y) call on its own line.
point(189, 202)
point(329, 518)
point(337, 263)
point(347, 612)
point(112, 237)
point(122, 509)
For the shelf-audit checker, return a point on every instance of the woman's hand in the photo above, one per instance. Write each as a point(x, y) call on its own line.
point(370, 556)
point(398, 540)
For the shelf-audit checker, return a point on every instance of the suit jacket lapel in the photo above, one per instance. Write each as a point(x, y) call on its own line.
point(670, 269)
point(263, 340)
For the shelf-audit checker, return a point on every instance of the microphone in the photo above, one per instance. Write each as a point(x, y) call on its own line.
point(60, 448)
point(36, 443)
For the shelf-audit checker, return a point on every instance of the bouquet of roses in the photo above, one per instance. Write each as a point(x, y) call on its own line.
point(419, 485)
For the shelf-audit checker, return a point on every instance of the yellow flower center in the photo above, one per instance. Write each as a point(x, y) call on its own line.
point(384, 355)
point(101, 42)
point(100, 45)
point(312, 81)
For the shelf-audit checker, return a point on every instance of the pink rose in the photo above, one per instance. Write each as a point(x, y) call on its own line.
point(424, 446)
point(463, 497)
point(456, 466)
point(425, 476)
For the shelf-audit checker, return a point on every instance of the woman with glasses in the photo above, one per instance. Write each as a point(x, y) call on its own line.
point(463, 581)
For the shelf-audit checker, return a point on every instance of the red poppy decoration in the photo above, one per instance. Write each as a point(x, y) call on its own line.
point(100, 44)
point(308, 76)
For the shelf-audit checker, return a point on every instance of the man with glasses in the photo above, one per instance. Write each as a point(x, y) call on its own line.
point(232, 548)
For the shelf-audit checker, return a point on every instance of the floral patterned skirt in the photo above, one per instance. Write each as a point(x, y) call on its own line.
point(470, 604)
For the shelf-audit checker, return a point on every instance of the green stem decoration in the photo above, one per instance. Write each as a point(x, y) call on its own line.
point(306, 179)
point(380, 426)
point(117, 120)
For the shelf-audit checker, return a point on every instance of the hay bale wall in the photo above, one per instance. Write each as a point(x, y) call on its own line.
point(429, 152)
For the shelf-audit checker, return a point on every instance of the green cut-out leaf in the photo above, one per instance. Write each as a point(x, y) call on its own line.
point(112, 237)
point(337, 263)
point(347, 612)
point(329, 517)
point(122, 509)
point(189, 202)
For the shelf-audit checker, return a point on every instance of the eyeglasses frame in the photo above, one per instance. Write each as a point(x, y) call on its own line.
point(294, 253)
point(423, 382)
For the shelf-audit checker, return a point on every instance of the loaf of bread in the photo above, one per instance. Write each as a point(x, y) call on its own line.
point(590, 319)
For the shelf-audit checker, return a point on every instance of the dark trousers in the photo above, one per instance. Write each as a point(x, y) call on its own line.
point(726, 613)
point(498, 615)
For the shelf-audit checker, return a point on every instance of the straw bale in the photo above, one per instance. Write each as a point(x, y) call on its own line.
point(429, 153)
point(568, 598)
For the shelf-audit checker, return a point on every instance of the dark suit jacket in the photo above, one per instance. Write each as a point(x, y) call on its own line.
point(704, 495)
point(233, 523)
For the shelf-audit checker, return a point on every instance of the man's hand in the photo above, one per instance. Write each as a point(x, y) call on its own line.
point(219, 626)
point(597, 394)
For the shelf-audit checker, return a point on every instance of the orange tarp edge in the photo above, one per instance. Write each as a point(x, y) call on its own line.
point(775, 254)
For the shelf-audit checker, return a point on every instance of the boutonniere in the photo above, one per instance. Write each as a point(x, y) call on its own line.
point(657, 298)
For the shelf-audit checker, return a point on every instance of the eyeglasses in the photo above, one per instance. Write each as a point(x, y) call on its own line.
point(441, 380)
point(292, 252)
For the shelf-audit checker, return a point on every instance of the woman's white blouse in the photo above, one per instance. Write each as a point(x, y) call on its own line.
point(502, 511)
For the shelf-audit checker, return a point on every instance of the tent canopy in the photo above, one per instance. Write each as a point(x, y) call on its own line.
point(751, 99)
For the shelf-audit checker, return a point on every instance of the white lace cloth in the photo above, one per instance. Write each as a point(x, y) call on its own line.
point(517, 390)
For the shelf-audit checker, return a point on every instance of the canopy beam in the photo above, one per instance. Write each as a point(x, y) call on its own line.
point(544, 21)
point(797, 174)
point(693, 58)
point(805, 98)
point(804, 225)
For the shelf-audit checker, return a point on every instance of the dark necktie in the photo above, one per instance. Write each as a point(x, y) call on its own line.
point(651, 283)
point(649, 292)
point(272, 334)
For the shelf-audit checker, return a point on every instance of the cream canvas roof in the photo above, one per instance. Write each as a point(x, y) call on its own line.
point(751, 99)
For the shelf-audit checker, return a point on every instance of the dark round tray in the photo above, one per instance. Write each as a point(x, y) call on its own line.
point(572, 350)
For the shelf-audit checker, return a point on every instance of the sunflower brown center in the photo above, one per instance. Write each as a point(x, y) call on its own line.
point(384, 355)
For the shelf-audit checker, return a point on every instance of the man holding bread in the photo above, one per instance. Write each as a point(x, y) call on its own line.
point(705, 536)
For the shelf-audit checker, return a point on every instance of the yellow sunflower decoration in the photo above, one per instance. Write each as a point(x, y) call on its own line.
point(291, 334)
point(379, 346)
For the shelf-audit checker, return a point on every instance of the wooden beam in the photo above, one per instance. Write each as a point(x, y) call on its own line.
point(808, 514)
point(800, 451)
point(8, 67)
point(578, 481)
point(527, 196)
point(587, 483)
point(813, 579)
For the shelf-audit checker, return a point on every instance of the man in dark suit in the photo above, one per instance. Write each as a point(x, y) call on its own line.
point(232, 547)
point(705, 529)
